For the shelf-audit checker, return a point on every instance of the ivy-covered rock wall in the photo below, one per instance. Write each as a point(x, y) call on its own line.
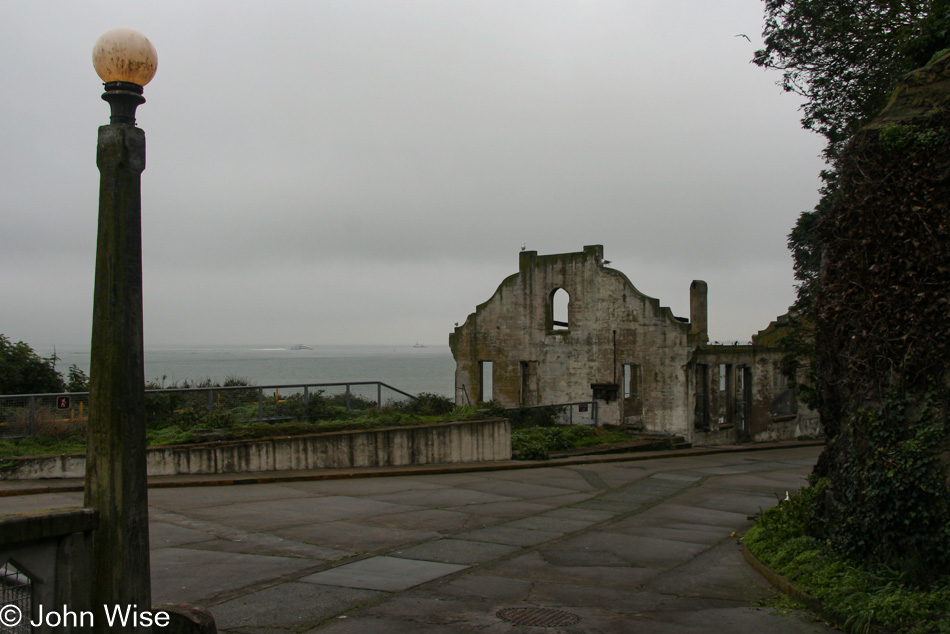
point(883, 337)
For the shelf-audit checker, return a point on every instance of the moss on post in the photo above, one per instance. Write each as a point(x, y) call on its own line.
point(116, 469)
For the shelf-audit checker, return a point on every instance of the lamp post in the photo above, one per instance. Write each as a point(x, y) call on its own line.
point(115, 455)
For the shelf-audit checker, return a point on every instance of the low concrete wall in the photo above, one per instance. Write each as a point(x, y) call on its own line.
point(468, 441)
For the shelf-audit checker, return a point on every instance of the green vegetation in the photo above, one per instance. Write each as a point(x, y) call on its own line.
point(872, 262)
point(537, 443)
point(527, 417)
point(863, 595)
point(174, 418)
point(22, 371)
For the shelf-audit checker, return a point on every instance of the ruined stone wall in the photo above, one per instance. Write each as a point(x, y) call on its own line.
point(765, 410)
point(609, 324)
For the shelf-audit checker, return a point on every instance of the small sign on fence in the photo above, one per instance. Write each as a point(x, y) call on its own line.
point(582, 407)
point(62, 402)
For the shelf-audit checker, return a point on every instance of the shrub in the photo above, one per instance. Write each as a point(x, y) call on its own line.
point(865, 595)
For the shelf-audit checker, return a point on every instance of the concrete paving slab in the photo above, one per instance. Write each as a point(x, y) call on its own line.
point(727, 470)
point(612, 507)
point(164, 535)
point(677, 477)
point(363, 486)
point(505, 534)
point(449, 479)
point(209, 497)
point(583, 558)
point(736, 619)
point(561, 478)
point(456, 551)
point(389, 574)
point(518, 490)
point(772, 482)
point(583, 515)
point(570, 596)
point(508, 510)
point(181, 575)
point(533, 567)
point(487, 586)
point(670, 513)
point(743, 503)
point(30, 503)
point(646, 552)
point(267, 544)
point(592, 578)
point(440, 520)
point(696, 535)
point(265, 515)
point(566, 500)
point(354, 537)
point(553, 524)
point(347, 624)
point(721, 572)
point(441, 498)
point(291, 605)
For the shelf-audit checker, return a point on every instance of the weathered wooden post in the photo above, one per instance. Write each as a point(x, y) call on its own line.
point(115, 455)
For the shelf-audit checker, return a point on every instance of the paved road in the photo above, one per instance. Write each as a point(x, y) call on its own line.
point(634, 546)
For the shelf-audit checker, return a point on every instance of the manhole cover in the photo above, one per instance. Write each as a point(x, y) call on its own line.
point(538, 617)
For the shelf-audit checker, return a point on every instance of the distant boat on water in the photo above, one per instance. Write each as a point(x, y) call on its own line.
point(418, 345)
point(300, 346)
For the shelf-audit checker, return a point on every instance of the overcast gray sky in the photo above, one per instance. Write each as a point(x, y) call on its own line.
point(350, 171)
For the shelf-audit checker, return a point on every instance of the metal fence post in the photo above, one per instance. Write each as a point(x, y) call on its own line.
point(210, 401)
point(379, 396)
point(32, 415)
point(260, 403)
point(306, 397)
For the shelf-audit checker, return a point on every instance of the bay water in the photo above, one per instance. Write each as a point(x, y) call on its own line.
point(408, 368)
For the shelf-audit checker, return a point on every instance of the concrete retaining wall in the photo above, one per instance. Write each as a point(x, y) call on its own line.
point(469, 441)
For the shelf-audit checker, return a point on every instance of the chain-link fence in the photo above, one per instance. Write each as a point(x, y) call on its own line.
point(60, 414)
point(15, 600)
point(577, 413)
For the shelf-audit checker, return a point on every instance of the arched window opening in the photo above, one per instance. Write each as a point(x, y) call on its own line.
point(560, 309)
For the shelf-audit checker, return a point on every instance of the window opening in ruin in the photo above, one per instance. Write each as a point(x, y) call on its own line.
point(744, 400)
point(560, 309)
point(529, 383)
point(632, 391)
point(702, 396)
point(784, 402)
point(486, 383)
point(725, 394)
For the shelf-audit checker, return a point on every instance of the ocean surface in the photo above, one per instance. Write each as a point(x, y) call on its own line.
point(407, 368)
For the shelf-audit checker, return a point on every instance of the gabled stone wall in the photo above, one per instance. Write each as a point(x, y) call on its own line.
point(609, 324)
point(620, 348)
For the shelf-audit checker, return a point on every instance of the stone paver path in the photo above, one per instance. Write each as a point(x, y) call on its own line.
point(638, 546)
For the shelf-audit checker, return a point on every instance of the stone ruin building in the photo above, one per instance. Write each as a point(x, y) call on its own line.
point(567, 329)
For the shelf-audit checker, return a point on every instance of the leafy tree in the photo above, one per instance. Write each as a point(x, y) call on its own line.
point(22, 371)
point(872, 263)
point(77, 380)
point(845, 57)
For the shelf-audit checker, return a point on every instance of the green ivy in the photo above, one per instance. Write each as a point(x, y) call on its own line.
point(865, 595)
point(888, 504)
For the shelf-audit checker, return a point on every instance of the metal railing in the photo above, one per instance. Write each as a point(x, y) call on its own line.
point(15, 590)
point(576, 413)
point(56, 414)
